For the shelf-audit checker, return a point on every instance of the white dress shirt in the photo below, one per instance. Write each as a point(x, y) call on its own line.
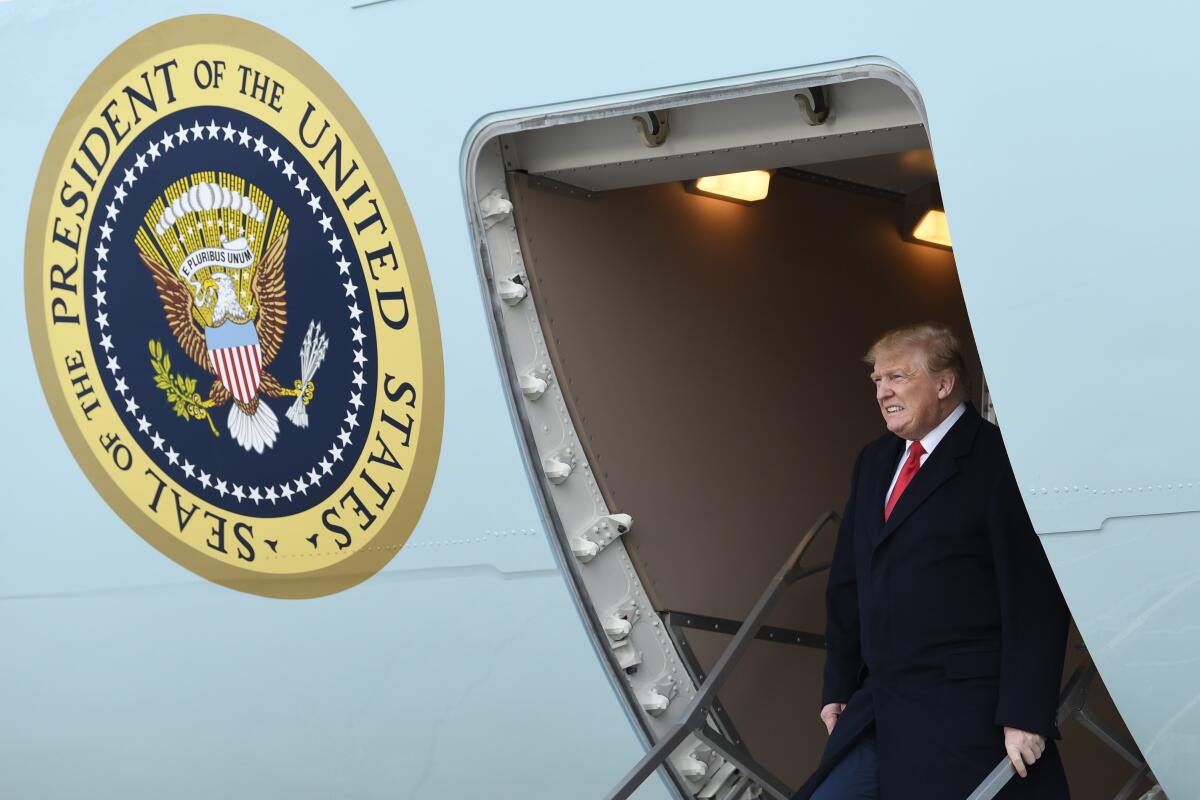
point(930, 441)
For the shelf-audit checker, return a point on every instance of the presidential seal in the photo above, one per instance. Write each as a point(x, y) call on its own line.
point(231, 314)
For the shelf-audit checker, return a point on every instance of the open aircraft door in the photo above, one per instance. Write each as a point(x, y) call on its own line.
point(686, 373)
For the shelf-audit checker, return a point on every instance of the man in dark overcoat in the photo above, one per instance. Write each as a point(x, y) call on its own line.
point(946, 629)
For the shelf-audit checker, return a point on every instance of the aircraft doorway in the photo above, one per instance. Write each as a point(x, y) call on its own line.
point(695, 363)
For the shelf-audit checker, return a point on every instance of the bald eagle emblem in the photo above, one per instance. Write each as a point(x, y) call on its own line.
point(215, 246)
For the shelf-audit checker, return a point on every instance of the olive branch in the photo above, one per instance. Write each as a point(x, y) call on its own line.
point(180, 390)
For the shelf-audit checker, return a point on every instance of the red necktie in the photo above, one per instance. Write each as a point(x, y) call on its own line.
point(906, 475)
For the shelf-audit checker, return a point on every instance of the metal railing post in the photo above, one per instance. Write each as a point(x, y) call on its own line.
point(1072, 704)
point(695, 715)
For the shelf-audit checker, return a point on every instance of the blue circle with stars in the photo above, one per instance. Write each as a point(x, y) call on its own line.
point(324, 295)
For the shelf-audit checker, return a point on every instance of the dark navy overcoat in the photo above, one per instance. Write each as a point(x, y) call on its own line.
point(944, 624)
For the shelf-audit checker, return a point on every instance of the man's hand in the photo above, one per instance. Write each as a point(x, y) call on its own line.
point(830, 714)
point(1023, 747)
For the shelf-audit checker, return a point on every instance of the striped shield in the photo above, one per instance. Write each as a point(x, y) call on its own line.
point(233, 351)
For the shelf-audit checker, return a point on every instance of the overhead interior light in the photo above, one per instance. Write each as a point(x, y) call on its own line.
point(933, 228)
point(924, 219)
point(746, 187)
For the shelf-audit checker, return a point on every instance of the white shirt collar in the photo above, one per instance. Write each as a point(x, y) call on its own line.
point(935, 436)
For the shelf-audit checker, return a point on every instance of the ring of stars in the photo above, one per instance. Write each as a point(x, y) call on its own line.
point(185, 469)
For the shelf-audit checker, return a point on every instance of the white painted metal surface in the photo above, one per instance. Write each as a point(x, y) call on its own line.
point(869, 117)
point(642, 653)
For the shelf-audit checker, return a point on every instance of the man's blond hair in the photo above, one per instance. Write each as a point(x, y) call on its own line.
point(935, 341)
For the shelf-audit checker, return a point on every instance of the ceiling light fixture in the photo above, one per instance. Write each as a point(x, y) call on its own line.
point(744, 187)
point(925, 218)
point(932, 228)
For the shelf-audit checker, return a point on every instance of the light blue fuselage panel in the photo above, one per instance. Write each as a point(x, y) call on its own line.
point(1066, 156)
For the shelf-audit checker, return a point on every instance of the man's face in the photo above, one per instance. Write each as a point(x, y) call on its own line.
point(911, 400)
